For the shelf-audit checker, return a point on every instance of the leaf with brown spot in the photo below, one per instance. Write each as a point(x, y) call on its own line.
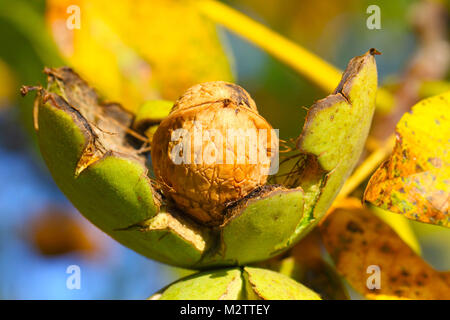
point(415, 180)
point(357, 239)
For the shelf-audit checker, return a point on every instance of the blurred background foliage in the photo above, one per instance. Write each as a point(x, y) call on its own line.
point(133, 51)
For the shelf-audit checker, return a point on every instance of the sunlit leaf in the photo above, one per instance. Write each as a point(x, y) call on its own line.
point(357, 239)
point(134, 51)
point(415, 180)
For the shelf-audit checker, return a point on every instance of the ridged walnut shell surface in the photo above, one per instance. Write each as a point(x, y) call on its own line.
point(199, 187)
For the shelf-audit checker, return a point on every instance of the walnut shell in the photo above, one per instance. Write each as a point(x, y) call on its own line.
point(205, 186)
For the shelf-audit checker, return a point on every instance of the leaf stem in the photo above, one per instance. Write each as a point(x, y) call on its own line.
point(306, 63)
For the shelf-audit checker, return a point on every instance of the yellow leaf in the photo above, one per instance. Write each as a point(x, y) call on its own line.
point(415, 180)
point(139, 50)
point(357, 239)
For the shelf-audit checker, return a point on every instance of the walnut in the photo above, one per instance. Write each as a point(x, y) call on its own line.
point(213, 148)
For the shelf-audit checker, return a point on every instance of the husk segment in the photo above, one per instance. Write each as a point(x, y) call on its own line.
point(103, 175)
point(236, 284)
point(333, 138)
